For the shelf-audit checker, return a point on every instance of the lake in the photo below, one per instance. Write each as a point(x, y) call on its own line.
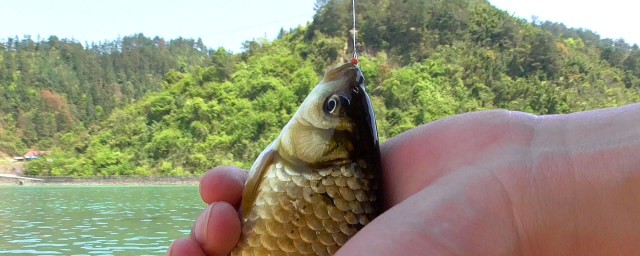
point(95, 220)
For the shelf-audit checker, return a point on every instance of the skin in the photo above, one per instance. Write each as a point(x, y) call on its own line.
point(483, 183)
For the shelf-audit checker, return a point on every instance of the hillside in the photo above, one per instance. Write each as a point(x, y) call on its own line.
point(58, 85)
point(424, 60)
point(4, 156)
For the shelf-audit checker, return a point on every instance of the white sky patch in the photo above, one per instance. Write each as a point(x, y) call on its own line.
point(217, 22)
point(229, 23)
point(610, 19)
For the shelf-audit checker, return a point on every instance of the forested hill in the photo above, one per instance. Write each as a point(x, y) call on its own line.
point(423, 60)
point(57, 85)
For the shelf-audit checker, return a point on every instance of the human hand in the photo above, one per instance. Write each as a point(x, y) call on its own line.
point(483, 183)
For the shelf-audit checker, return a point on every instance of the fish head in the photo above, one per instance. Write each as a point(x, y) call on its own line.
point(334, 124)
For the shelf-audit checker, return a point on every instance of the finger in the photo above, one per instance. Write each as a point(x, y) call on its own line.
point(217, 230)
point(223, 184)
point(185, 247)
point(418, 157)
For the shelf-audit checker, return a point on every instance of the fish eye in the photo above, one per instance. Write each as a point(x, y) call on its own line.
point(331, 104)
point(335, 105)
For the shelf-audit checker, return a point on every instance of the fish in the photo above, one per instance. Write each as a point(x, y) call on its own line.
point(317, 183)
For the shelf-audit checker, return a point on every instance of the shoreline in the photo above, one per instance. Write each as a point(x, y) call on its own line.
point(101, 181)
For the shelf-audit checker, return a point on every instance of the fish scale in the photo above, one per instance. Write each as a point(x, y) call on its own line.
point(310, 213)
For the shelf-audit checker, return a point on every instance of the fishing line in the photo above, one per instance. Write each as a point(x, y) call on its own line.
point(354, 60)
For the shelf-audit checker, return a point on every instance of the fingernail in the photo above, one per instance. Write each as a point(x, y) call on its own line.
point(200, 230)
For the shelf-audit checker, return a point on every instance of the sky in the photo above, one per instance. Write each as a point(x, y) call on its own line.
point(229, 23)
point(610, 19)
point(225, 23)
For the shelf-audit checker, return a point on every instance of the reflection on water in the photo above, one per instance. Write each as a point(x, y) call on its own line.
point(125, 220)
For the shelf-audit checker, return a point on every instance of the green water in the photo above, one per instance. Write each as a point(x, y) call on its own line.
point(122, 220)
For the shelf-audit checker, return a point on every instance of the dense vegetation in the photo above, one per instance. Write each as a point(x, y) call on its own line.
point(58, 85)
point(423, 59)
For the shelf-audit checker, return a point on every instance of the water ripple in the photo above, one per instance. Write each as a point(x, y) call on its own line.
point(95, 220)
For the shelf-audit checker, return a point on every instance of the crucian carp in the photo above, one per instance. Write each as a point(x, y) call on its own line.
point(315, 185)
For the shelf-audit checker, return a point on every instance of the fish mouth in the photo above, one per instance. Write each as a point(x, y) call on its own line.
point(345, 70)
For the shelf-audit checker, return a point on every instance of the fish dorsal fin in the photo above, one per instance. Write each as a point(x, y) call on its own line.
point(258, 171)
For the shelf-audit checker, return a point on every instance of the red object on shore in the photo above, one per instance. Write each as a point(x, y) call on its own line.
point(354, 61)
point(33, 154)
